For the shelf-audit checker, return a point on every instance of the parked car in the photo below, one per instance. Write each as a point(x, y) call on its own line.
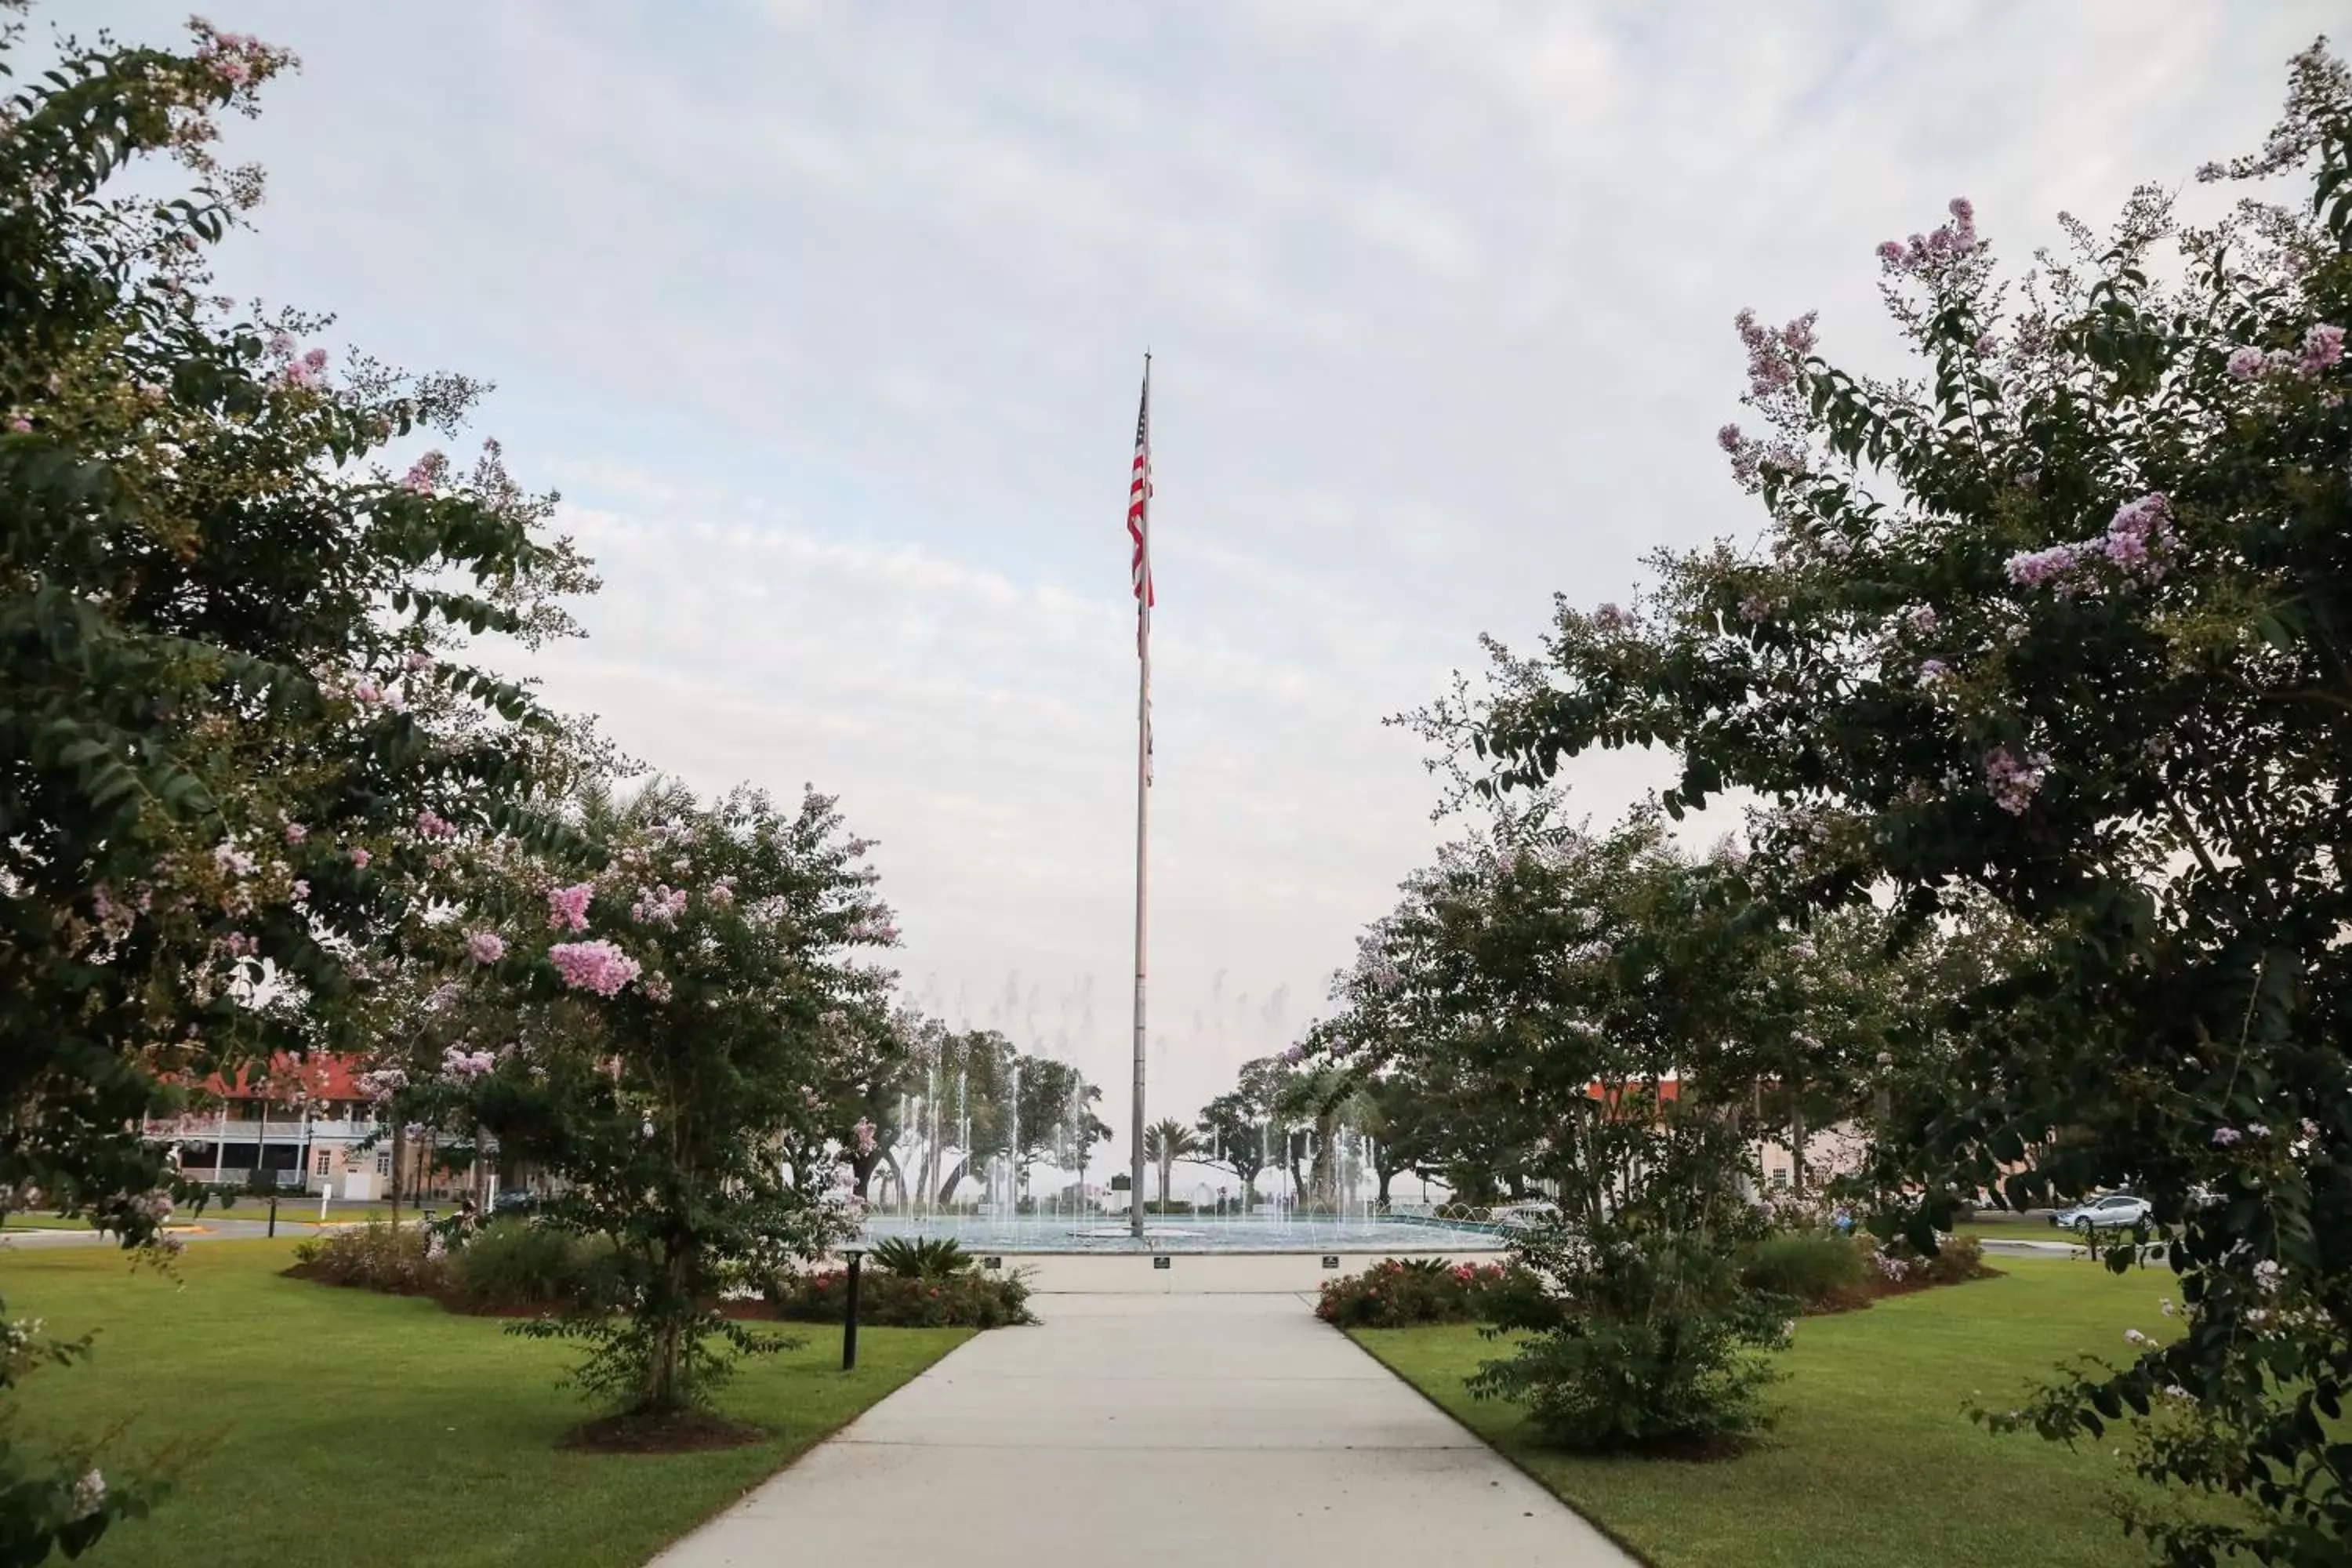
point(2116, 1211)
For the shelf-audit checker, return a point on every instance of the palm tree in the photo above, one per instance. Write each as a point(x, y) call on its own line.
point(1164, 1143)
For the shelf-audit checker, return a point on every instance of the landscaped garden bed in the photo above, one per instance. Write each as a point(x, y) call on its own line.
point(304, 1425)
point(1871, 1462)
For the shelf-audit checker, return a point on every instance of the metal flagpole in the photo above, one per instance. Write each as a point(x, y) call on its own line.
point(1139, 510)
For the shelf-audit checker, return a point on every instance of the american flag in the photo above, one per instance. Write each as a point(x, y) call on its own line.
point(1139, 534)
point(1139, 506)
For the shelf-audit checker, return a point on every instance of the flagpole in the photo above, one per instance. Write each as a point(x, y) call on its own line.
point(1142, 804)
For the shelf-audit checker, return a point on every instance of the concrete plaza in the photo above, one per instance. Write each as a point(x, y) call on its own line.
point(1142, 1430)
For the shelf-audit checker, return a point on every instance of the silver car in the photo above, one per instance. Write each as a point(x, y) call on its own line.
point(2116, 1211)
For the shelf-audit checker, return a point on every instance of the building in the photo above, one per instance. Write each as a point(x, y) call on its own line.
point(308, 1125)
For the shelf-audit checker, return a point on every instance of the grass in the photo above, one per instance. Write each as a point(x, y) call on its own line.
point(1873, 1464)
point(334, 1424)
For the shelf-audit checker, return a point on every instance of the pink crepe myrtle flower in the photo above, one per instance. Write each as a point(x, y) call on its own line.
point(2226, 1136)
point(597, 966)
point(2246, 364)
point(296, 833)
point(655, 986)
point(461, 1066)
point(302, 890)
point(485, 946)
point(20, 425)
point(2323, 347)
point(2041, 568)
point(431, 823)
point(1922, 618)
point(567, 907)
point(361, 857)
point(1932, 671)
point(425, 473)
point(722, 892)
point(661, 906)
point(2013, 782)
point(418, 661)
point(862, 1138)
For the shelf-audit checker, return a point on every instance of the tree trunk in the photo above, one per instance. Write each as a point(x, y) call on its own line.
point(1796, 1148)
point(399, 1143)
point(954, 1179)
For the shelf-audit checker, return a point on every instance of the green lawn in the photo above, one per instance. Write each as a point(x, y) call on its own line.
point(2012, 1227)
point(1873, 1464)
point(346, 1427)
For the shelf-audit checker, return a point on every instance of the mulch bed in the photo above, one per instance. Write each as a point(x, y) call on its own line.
point(671, 1431)
point(1856, 1299)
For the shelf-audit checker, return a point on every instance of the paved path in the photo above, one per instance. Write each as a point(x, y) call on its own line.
point(1142, 1431)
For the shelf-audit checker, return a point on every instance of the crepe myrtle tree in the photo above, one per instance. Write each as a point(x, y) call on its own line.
point(2063, 621)
point(699, 990)
point(226, 628)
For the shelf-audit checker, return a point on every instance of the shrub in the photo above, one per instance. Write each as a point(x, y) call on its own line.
point(1643, 1336)
point(971, 1299)
point(926, 1257)
point(515, 1263)
point(1816, 1267)
point(376, 1257)
point(1957, 1260)
point(1396, 1293)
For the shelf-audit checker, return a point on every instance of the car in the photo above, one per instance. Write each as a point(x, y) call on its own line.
point(2114, 1211)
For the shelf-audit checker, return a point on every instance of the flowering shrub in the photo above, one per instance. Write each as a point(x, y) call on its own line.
point(969, 1299)
point(398, 1260)
point(1398, 1293)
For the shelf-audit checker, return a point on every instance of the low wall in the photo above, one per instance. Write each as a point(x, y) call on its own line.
point(1200, 1273)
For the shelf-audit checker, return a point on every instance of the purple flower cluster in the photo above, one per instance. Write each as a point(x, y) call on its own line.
point(597, 966)
point(567, 907)
point(862, 1138)
point(485, 946)
point(460, 1065)
point(425, 473)
point(2137, 540)
point(658, 906)
point(2323, 348)
point(2012, 781)
point(1612, 618)
point(431, 823)
point(1773, 355)
point(1950, 241)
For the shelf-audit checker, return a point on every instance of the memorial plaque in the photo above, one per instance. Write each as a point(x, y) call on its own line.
point(1163, 1261)
point(992, 1263)
point(1329, 1261)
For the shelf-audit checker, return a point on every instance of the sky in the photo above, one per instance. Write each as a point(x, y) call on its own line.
point(827, 322)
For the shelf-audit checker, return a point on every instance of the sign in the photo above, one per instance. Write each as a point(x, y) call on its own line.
point(992, 1263)
point(1161, 1261)
point(1329, 1261)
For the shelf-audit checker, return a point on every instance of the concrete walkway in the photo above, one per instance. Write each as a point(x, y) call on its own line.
point(1143, 1431)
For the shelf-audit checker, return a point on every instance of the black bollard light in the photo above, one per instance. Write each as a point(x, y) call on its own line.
point(849, 1316)
point(273, 1214)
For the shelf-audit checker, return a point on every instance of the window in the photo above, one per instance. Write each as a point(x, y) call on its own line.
point(384, 1162)
point(1779, 1178)
point(324, 1164)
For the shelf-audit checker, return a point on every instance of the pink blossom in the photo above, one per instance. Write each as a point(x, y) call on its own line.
point(20, 425)
point(860, 847)
point(424, 473)
point(2246, 364)
point(418, 661)
point(2012, 782)
point(239, 944)
point(360, 857)
point(1987, 345)
point(1891, 252)
point(597, 966)
point(1612, 618)
point(2226, 1136)
point(485, 946)
point(366, 690)
point(1922, 618)
point(296, 833)
point(661, 906)
point(2139, 534)
point(461, 1066)
point(1730, 440)
point(2323, 347)
point(657, 987)
point(2033, 569)
point(1753, 608)
point(1932, 671)
point(861, 1134)
point(280, 344)
point(567, 907)
point(722, 892)
point(431, 823)
point(314, 361)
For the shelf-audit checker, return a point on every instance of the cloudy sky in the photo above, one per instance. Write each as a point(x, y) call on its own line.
point(826, 319)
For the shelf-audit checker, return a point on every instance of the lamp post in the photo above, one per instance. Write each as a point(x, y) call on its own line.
point(857, 1255)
